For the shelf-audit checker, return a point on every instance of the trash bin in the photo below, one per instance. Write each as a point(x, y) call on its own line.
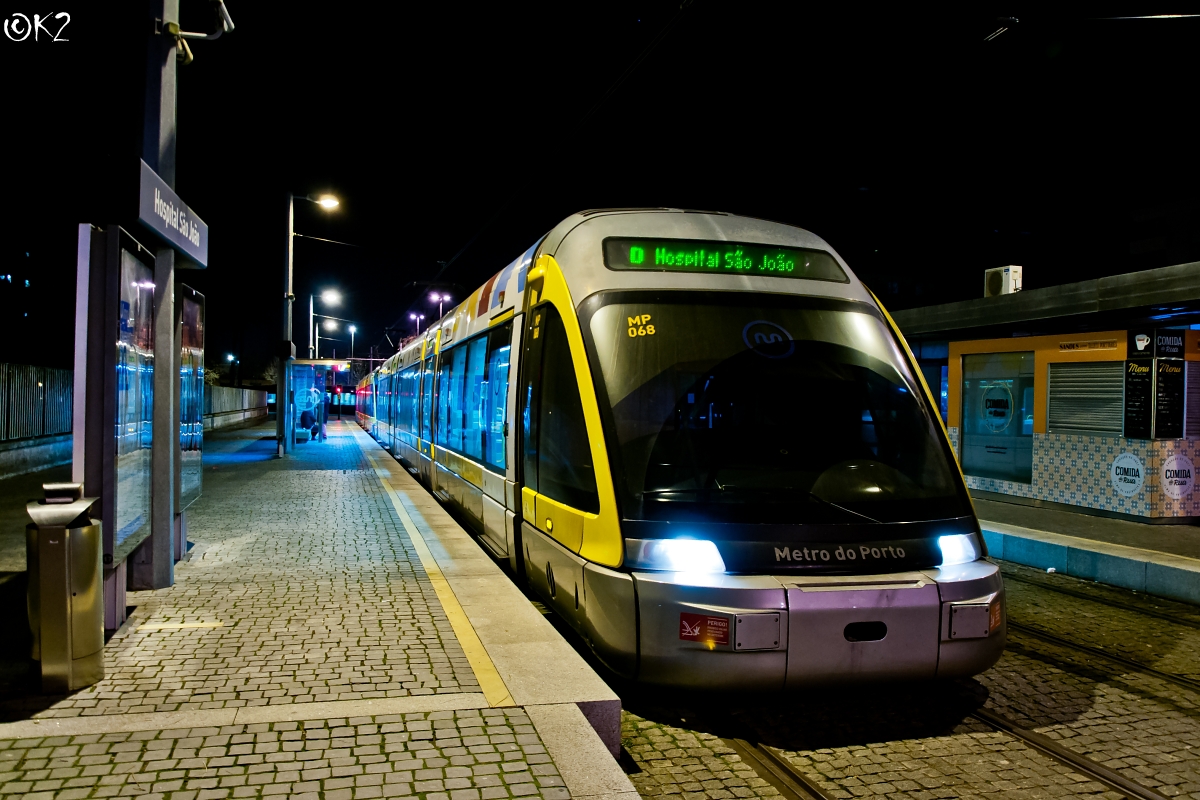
point(63, 549)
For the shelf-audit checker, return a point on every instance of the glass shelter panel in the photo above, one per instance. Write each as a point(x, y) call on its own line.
point(997, 416)
point(191, 400)
point(135, 398)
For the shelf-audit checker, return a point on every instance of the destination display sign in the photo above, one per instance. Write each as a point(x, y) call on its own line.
point(1168, 398)
point(1139, 395)
point(721, 258)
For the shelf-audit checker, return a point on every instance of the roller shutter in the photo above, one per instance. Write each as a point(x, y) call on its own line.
point(1087, 396)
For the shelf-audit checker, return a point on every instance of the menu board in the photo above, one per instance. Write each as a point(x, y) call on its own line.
point(1139, 395)
point(1168, 398)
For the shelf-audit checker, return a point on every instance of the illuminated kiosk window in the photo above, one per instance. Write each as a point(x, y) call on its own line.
point(997, 416)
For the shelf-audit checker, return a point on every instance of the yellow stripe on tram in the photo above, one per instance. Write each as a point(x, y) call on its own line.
point(494, 690)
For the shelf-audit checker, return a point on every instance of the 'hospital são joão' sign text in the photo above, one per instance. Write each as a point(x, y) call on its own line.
point(161, 210)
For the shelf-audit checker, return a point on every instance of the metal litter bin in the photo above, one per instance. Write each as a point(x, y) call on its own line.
point(63, 549)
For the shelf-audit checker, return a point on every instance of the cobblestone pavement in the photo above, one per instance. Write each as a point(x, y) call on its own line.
point(672, 760)
point(920, 741)
point(462, 755)
point(301, 588)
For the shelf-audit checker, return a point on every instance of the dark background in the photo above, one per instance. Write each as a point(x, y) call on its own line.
point(923, 153)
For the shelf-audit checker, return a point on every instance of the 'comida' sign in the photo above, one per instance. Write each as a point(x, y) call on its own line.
point(161, 210)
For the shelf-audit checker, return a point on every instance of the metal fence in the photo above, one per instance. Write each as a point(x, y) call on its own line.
point(34, 401)
point(225, 400)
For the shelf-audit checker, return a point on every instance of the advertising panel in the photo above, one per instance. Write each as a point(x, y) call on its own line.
point(135, 400)
point(191, 395)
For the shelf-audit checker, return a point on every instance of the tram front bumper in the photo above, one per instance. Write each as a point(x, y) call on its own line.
point(772, 632)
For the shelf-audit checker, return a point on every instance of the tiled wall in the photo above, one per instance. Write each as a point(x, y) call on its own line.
point(1076, 469)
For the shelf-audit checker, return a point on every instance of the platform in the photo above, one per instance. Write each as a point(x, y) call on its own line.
point(332, 633)
point(1162, 560)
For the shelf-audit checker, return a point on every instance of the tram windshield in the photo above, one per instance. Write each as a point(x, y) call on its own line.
point(765, 409)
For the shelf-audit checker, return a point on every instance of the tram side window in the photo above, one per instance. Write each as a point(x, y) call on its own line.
point(413, 410)
point(407, 398)
point(450, 398)
point(564, 462)
point(473, 392)
point(495, 400)
point(427, 400)
point(385, 383)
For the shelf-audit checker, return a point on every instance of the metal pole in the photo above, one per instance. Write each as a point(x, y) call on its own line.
point(153, 562)
point(283, 428)
point(351, 345)
point(311, 329)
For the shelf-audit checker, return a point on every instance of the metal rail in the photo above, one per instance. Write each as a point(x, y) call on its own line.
point(1136, 666)
point(773, 767)
point(1103, 601)
point(1063, 755)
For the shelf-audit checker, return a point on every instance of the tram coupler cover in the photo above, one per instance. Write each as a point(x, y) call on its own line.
point(63, 549)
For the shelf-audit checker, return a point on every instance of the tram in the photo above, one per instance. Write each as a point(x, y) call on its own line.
point(704, 443)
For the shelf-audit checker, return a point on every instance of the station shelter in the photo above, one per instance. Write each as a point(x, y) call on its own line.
point(312, 382)
point(1084, 395)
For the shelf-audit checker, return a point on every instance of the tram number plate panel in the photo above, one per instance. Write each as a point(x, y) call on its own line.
point(970, 621)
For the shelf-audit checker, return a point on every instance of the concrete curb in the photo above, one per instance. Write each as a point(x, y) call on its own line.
point(1149, 571)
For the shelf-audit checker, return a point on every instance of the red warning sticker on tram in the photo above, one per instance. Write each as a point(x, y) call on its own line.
point(703, 628)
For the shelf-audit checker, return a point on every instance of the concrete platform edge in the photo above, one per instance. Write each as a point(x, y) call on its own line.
point(1161, 574)
point(583, 761)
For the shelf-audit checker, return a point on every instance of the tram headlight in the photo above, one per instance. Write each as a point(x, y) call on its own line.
point(674, 555)
point(959, 548)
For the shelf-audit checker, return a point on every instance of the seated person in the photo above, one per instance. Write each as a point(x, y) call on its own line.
point(308, 420)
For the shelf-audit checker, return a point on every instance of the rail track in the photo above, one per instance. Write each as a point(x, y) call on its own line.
point(1137, 666)
point(1190, 623)
point(772, 764)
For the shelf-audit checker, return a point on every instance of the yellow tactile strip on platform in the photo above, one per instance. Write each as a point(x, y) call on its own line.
point(490, 682)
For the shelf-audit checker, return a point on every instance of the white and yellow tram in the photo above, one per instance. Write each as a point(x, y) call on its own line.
point(703, 442)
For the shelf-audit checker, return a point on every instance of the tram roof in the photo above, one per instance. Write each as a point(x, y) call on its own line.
point(1167, 296)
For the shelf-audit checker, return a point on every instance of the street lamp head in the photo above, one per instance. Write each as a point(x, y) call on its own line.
point(229, 357)
point(327, 202)
point(331, 297)
point(353, 329)
point(412, 316)
point(330, 325)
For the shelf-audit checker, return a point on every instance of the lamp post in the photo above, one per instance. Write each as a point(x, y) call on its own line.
point(417, 318)
point(352, 330)
point(439, 299)
point(283, 406)
point(330, 325)
point(330, 297)
point(236, 363)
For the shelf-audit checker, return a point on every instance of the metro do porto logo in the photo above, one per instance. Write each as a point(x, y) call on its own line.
point(768, 339)
point(19, 27)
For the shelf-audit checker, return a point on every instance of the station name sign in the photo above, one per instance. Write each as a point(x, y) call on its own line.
point(161, 210)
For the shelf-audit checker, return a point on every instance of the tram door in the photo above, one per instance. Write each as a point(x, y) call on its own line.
point(559, 478)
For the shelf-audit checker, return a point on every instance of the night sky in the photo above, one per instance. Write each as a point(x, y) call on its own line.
point(453, 133)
